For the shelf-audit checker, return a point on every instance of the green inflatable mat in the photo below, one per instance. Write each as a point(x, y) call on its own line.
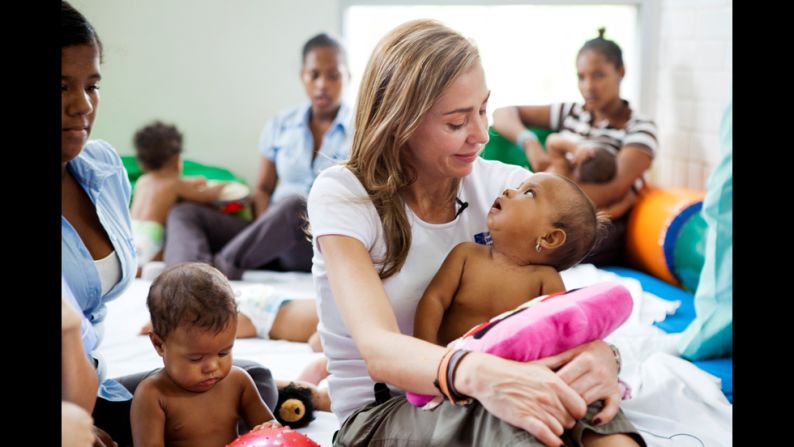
point(501, 149)
point(189, 169)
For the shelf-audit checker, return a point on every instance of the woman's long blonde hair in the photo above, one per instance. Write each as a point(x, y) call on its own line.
point(407, 72)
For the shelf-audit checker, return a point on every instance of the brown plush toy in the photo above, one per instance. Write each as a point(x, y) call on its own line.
point(294, 407)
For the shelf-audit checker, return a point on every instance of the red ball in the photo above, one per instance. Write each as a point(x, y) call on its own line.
point(273, 437)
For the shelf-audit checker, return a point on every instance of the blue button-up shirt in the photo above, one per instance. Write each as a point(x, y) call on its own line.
point(99, 171)
point(287, 140)
point(87, 333)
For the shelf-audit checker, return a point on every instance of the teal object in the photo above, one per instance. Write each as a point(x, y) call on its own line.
point(501, 149)
point(673, 233)
point(690, 252)
point(710, 335)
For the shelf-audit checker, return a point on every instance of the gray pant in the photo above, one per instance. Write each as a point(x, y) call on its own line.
point(275, 240)
point(398, 423)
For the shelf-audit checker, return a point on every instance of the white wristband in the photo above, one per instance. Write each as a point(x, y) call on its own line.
point(522, 137)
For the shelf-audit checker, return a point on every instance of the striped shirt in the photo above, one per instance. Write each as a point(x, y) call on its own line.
point(572, 120)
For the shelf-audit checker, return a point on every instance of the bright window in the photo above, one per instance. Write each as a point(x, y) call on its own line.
point(528, 51)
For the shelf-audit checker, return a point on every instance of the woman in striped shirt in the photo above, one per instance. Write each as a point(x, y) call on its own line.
point(603, 117)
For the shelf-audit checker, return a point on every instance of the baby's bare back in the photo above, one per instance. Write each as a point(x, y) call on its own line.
point(488, 289)
point(154, 196)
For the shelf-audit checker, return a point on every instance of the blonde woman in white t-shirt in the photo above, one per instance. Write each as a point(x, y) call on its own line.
point(382, 225)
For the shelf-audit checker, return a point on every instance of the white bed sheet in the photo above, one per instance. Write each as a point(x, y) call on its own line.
point(699, 415)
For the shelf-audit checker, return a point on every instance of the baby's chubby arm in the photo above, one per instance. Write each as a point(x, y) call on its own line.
point(558, 148)
point(199, 192)
point(438, 295)
point(558, 145)
point(252, 408)
point(197, 181)
point(569, 149)
point(147, 416)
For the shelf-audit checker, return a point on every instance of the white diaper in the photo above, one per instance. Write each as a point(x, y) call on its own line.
point(148, 237)
point(260, 303)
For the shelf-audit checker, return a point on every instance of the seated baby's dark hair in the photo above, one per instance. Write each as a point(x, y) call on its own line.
point(584, 226)
point(600, 168)
point(156, 144)
point(193, 294)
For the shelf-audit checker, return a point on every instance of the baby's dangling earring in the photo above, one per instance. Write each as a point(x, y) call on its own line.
point(537, 247)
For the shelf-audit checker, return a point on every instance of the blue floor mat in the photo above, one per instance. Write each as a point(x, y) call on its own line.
point(722, 368)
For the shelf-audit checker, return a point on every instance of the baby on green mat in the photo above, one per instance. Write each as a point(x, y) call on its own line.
point(158, 147)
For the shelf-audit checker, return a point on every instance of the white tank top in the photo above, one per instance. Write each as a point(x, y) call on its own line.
point(109, 269)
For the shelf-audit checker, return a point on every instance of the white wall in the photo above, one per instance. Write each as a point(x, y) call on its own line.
point(694, 80)
point(217, 69)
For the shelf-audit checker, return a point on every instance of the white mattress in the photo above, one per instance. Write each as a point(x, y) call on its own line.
point(674, 403)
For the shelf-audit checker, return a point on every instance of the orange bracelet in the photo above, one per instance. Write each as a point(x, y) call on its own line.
point(441, 374)
point(445, 377)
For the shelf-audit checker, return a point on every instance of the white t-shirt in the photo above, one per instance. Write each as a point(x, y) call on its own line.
point(338, 204)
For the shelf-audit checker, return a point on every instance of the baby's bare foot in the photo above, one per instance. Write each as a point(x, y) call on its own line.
point(314, 372)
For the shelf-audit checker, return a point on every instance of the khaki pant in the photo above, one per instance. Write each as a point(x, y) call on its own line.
point(398, 423)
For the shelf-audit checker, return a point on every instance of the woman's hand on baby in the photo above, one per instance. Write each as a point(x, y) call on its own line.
point(527, 395)
point(269, 424)
point(591, 370)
